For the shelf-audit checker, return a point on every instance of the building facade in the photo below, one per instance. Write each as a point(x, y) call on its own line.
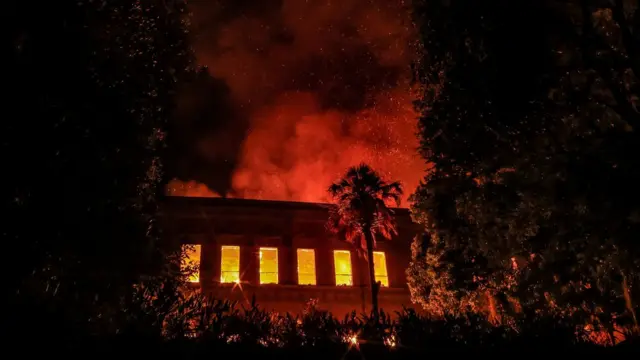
point(281, 254)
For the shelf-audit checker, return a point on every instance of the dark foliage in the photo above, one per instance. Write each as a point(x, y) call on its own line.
point(361, 213)
point(197, 327)
point(529, 116)
point(90, 88)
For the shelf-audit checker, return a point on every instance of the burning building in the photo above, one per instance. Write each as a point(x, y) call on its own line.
point(281, 253)
point(292, 94)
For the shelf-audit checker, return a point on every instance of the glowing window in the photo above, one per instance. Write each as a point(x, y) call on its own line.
point(306, 267)
point(342, 262)
point(230, 264)
point(192, 262)
point(268, 265)
point(380, 268)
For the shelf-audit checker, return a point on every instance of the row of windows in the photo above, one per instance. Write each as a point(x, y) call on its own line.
point(268, 267)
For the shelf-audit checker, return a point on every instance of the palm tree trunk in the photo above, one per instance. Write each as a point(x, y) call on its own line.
point(372, 276)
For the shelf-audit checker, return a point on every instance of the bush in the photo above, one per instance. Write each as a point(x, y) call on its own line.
point(198, 325)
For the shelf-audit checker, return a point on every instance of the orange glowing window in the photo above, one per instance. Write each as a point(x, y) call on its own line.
point(268, 265)
point(230, 264)
point(342, 262)
point(380, 268)
point(306, 267)
point(191, 264)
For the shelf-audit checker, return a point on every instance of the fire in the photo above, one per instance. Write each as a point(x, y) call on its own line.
point(352, 339)
point(390, 341)
point(315, 87)
point(295, 150)
point(189, 188)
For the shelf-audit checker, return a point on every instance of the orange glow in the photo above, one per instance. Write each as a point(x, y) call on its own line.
point(268, 265)
point(351, 339)
point(380, 268)
point(390, 341)
point(279, 163)
point(323, 99)
point(306, 267)
point(192, 261)
point(189, 189)
point(230, 264)
point(342, 262)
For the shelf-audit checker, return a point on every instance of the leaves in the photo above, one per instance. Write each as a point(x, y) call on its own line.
point(528, 124)
point(362, 198)
point(88, 172)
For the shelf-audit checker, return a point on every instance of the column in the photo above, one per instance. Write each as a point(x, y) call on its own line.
point(324, 266)
point(249, 264)
point(207, 266)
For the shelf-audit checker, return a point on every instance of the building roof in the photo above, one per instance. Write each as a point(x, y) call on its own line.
point(266, 218)
point(231, 203)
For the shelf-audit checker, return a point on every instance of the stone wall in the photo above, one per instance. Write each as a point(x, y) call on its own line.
point(252, 224)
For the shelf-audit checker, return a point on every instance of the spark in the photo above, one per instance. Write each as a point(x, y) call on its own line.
point(390, 341)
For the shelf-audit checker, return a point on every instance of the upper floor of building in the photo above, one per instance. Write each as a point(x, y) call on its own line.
point(280, 243)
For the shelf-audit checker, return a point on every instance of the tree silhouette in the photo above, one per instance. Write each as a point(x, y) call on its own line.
point(362, 213)
point(89, 172)
point(529, 114)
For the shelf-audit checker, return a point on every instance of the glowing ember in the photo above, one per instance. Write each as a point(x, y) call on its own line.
point(233, 338)
point(352, 340)
point(189, 188)
point(390, 341)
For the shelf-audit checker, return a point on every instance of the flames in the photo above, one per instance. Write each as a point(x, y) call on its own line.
point(295, 151)
point(324, 85)
point(189, 188)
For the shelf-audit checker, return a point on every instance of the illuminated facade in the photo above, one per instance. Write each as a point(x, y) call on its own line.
point(281, 253)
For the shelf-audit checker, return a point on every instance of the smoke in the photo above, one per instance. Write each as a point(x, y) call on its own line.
point(310, 88)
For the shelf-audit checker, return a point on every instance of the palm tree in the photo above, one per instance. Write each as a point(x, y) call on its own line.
point(361, 213)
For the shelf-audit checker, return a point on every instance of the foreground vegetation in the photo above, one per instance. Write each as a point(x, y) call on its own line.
point(531, 203)
point(208, 327)
point(528, 116)
point(166, 315)
point(195, 326)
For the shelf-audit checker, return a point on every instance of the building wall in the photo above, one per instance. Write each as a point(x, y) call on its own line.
point(251, 224)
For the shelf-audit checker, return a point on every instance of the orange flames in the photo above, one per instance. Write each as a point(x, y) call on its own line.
point(326, 87)
point(190, 189)
point(294, 151)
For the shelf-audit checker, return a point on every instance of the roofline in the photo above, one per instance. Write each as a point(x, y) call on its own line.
point(219, 201)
